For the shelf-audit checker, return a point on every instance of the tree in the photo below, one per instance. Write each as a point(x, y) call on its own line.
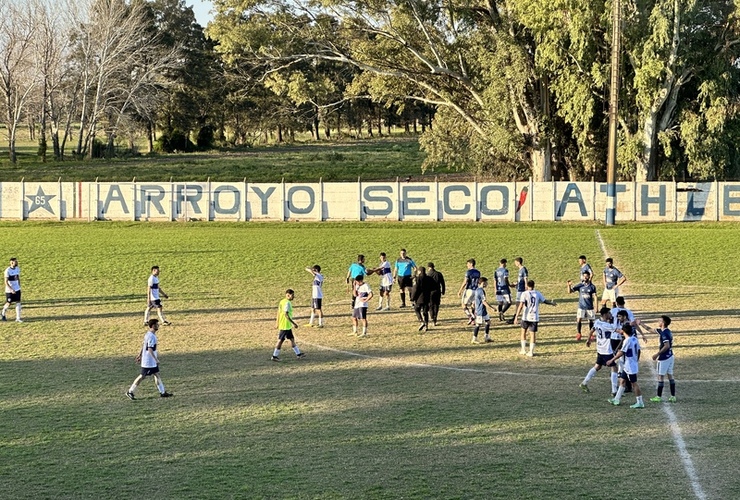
point(18, 70)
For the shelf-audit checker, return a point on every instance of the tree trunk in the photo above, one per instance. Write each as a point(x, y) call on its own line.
point(542, 162)
point(280, 133)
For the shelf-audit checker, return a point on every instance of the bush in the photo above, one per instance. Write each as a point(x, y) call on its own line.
point(174, 140)
point(205, 139)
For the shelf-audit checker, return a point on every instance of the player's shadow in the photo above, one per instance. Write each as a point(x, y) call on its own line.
point(111, 299)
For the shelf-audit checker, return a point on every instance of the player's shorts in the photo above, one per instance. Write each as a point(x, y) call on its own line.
point(610, 295)
point(385, 290)
point(665, 366)
point(13, 297)
point(529, 326)
point(601, 359)
point(586, 313)
point(285, 334)
point(468, 297)
point(632, 377)
point(404, 281)
point(359, 313)
point(145, 372)
point(316, 303)
point(479, 320)
point(503, 297)
point(156, 303)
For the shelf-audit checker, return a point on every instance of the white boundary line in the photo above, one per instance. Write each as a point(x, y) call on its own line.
point(688, 464)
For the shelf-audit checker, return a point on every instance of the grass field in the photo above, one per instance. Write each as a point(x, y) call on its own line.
point(396, 415)
point(375, 159)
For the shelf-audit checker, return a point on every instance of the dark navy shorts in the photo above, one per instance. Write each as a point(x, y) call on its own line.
point(285, 334)
point(145, 372)
point(13, 297)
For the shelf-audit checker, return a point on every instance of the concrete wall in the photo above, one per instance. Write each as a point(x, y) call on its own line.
point(368, 201)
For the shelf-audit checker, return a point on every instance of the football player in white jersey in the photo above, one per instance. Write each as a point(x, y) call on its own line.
point(12, 289)
point(385, 272)
point(153, 300)
point(149, 359)
point(363, 294)
point(317, 295)
point(602, 332)
point(529, 303)
point(629, 353)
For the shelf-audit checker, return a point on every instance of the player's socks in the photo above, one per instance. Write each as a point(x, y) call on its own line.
point(615, 382)
point(276, 353)
point(620, 393)
point(505, 308)
point(578, 327)
point(364, 330)
point(296, 350)
point(488, 329)
point(590, 325)
point(310, 321)
point(403, 299)
point(475, 331)
point(18, 311)
point(672, 384)
point(524, 345)
point(660, 388)
point(160, 386)
point(591, 374)
point(132, 388)
point(354, 330)
point(531, 348)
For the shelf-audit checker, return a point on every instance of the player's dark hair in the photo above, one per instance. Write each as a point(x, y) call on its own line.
point(152, 322)
point(627, 329)
point(530, 283)
point(604, 310)
point(609, 259)
point(483, 280)
point(421, 271)
point(153, 267)
point(519, 260)
point(471, 261)
point(620, 301)
point(502, 261)
point(586, 273)
point(382, 254)
point(666, 321)
point(360, 258)
point(430, 264)
point(290, 291)
point(317, 268)
point(359, 277)
point(583, 257)
point(13, 258)
point(403, 249)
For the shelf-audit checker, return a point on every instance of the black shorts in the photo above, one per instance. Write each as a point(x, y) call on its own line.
point(316, 304)
point(156, 303)
point(529, 325)
point(13, 297)
point(404, 281)
point(616, 344)
point(359, 313)
point(601, 359)
point(285, 334)
point(632, 377)
point(145, 372)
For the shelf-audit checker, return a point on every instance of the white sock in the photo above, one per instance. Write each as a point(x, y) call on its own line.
point(160, 386)
point(146, 315)
point(296, 350)
point(5, 309)
point(161, 316)
point(639, 400)
point(615, 382)
point(591, 374)
point(354, 329)
point(531, 347)
point(18, 311)
point(524, 345)
point(364, 330)
point(132, 388)
point(321, 320)
point(276, 353)
point(620, 393)
point(310, 321)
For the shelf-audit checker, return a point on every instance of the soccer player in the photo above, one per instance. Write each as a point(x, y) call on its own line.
point(386, 281)
point(317, 295)
point(153, 301)
point(503, 289)
point(469, 284)
point(355, 269)
point(603, 330)
point(584, 267)
point(586, 299)
point(629, 353)
point(665, 358)
point(363, 295)
point(438, 290)
point(529, 307)
point(481, 311)
point(403, 271)
point(149, 359)
point(521, 279)
point(421, 295)
point(12, 289)
point(285, 325)
point(613, 279)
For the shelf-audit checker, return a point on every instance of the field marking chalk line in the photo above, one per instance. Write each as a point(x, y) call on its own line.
point(688, 464)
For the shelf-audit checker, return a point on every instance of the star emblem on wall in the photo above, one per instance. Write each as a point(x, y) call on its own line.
point(40, 200)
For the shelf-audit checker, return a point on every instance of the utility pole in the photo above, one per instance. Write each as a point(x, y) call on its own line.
point(611, 172)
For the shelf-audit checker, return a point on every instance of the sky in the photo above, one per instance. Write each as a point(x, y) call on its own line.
point(201, 9)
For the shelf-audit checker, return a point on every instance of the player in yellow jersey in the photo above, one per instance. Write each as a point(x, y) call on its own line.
point(285, 325)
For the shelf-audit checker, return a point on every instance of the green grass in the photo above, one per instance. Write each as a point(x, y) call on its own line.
point(382, 159)
point(396, 415)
